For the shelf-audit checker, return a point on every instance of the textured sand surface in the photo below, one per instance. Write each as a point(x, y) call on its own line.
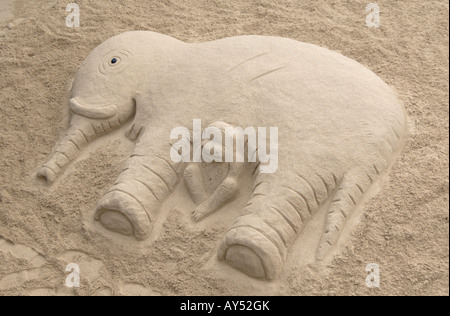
point(404, 229)
point(6, 10)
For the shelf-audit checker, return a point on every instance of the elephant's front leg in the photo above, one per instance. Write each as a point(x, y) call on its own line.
point(130, 206)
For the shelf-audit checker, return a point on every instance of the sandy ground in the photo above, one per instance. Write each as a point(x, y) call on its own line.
point(404, 229)
point(6, 8)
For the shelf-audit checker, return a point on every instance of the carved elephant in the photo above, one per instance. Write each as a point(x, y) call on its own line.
point(339, 128)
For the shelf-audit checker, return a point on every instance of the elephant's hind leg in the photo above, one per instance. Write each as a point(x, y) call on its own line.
point(258, 242)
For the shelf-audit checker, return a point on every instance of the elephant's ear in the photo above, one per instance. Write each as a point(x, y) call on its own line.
point(70, 84)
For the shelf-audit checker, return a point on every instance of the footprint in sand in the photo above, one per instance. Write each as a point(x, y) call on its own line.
point(33, 271)
point(93, 275)
point(19, 278)
point(91, 280)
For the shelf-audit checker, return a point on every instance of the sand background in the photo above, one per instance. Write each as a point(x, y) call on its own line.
point(404, 229)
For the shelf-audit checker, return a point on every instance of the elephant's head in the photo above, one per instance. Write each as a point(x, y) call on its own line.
point(103, 94)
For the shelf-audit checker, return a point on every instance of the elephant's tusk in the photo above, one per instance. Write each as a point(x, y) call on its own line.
point(100, 112)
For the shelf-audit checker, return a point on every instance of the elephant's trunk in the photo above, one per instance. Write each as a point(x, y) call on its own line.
point(81, 132)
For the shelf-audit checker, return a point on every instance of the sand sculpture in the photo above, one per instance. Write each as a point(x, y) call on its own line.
point(339, 126)
point(213, 184)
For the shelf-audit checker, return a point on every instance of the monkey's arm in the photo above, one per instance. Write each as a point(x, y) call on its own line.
point(195, 184)
point(227, 190)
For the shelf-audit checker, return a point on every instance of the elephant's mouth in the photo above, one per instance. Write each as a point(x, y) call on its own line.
point(97, 112)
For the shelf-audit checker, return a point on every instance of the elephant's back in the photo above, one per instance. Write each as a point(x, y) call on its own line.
point(316, 97)
point(302, 80)
point(313, 95)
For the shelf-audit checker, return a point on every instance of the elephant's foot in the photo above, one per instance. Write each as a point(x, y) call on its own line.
point(244, 259)
point(121, 212)
point(249, 251)
point(116, 222)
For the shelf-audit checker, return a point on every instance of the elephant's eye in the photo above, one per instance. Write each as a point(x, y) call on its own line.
point(115, 61)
